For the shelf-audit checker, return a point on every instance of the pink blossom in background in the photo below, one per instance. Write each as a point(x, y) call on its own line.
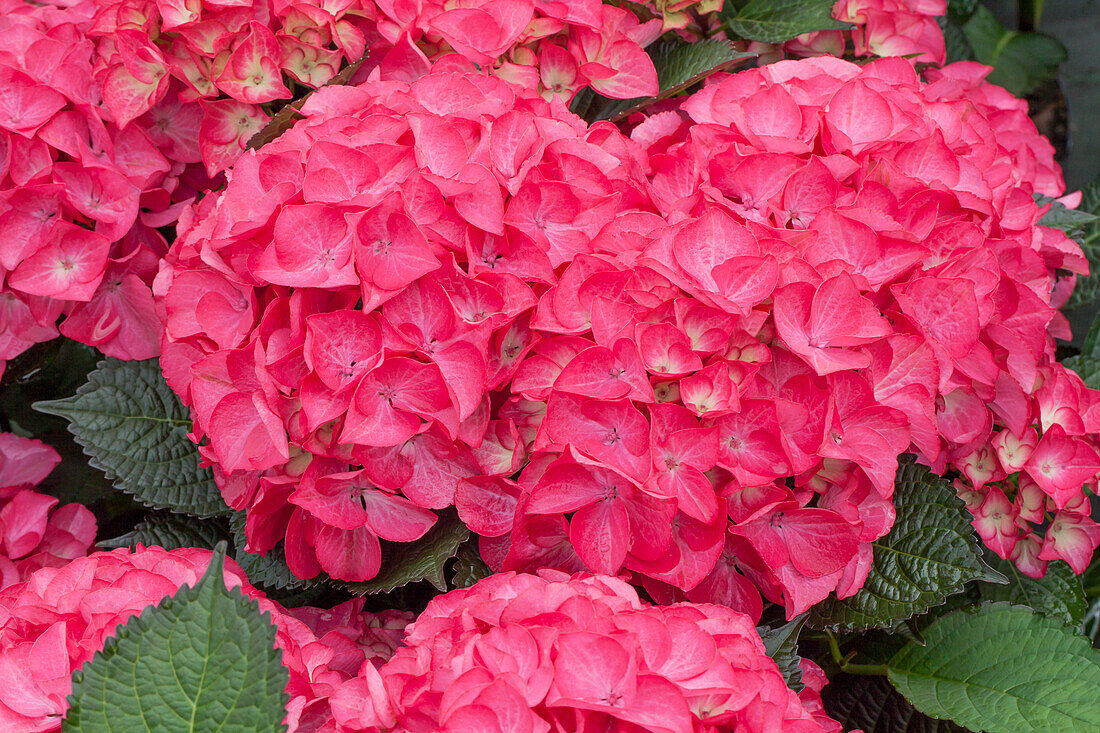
point(59, 617)
point(34, 532)
point(81, 197)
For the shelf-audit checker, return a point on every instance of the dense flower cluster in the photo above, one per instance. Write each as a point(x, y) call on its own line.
point(60, 616)
point(117, 107)
point(536, 653)
point(199, 77)
point(552, 47)
point(866, 278)
point(80, 196)
point(193, 75)
point(115, 113)
point(337, 318)
point(704, 346)
point(33, 533)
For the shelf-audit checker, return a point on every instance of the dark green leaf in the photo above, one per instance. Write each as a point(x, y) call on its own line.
point(679, 66)
point(781, 644)
point(469, 568)
point(1002, 669)
point(1070, 221)
point(959, 11)
point(931, 552)
point(870, 703)
point(985, 33)
point(1091, 623)
point(410, 562)
point(134, 428)
point(776, 21)
point(45, 371)
point(172, 531)
point(1090, 347)
point(1088, 286)
point(1020, 61)
point(1027, 60)
point(202, 661)
point(1058, 593)
point(955, 43)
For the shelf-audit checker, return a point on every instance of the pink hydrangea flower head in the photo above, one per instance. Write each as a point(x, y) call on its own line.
point(59, 617)
point(377, 289)
point(558, 652)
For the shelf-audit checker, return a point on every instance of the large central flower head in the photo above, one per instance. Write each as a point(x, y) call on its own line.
point(693, 354)
point(338, 317)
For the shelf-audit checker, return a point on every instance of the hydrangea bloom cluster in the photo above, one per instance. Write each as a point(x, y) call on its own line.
point(194, 75)
point(704, 346)
point(551, 652)
point(556, 48)
point(199, 77)
point(337, 318)
point(80, 196)
point(113, 109)
point(59, 617)
point(131, 101)
point(876, 248)
point(34, 532)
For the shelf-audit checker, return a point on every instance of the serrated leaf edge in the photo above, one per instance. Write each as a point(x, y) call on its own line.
point(140, 622)
point(50, 407)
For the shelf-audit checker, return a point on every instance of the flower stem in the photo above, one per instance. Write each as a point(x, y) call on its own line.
point(849, 667)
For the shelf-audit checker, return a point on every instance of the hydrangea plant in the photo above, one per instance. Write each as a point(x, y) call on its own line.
point(539, 366)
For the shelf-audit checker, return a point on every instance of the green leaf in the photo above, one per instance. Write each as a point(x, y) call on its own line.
point(1090, 347)
point(781, 644)
point(931, 552)
point(171, 531)
point(959, 11)
point(1087, 367)
point(468, 568)
point(1026, 61)
point(985, 33)
point(955, 43)
point(1058, 593)
point(870, 703)
point(201, 661)
point(776, 21)
point(1090, 625)
point(1088, 286)
point(1070, 221)
point(1020, 61)
point(43, 372)
point(679, 66)
point(134, 428)
point(1002, 669)
point(410, 562)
